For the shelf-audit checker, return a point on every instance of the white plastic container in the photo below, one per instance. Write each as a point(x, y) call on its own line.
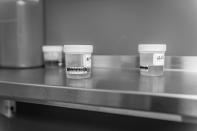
point(152, 59)
point(78, 61)
point(52, 55)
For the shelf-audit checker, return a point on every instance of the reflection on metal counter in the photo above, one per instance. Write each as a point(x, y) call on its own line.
point(152, 84)
point(54, 76)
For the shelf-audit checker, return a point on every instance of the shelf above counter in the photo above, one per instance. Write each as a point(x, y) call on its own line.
point(114, 89)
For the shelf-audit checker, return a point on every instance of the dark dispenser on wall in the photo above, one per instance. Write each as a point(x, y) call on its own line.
point(21, 33)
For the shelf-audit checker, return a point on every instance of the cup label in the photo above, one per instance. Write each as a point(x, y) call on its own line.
point(77, 70)
point(144, 68)
point(158, 59)
point(87, 60)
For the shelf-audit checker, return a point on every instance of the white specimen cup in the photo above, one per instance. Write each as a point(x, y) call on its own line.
point(52, 55)
point(78, 61)
point(152, 59)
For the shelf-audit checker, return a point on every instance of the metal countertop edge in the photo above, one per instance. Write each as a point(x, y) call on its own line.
point(100, 107)
point(167, 95)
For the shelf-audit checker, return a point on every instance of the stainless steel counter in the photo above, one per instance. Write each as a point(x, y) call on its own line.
point(118, 89)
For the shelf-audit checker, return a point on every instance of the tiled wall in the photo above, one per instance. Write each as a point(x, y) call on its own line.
point(117, 26)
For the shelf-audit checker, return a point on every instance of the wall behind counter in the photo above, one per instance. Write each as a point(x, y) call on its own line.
point(115, 27)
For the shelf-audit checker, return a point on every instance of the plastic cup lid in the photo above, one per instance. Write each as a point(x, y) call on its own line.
point(78, 48)
point(49, 48)
point(151, 47)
